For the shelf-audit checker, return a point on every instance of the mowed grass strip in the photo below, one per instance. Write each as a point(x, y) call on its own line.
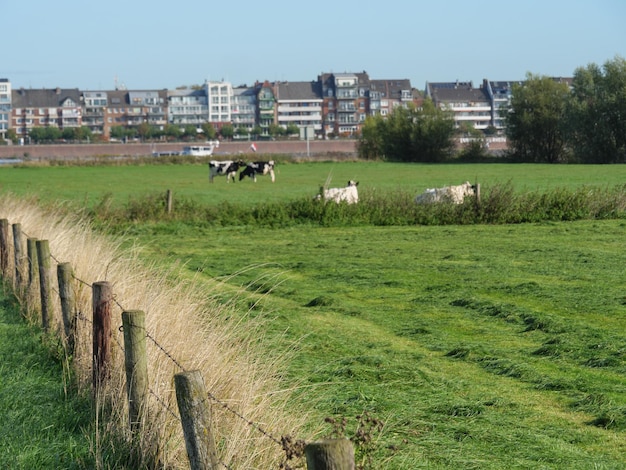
point(480, 346)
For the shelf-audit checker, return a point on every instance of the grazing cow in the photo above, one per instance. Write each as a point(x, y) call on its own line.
point(226, 168)
point(349, 194)
point(258, 168)
point(454, 194)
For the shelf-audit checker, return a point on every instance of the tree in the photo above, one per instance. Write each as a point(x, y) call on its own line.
point(172, 132)
point(256, 131)
point(534, 122)
point(190, 132)
point(227, 131)
point(144, 131)
point(292, 129)
point(241, 131)
point(52, 133)
point(68, 134)
point(209, 131)
point(596, 117)
point(275, 130)
point(409, 134)
point(12, 136)
point(117, 132)
point(370, 142)
point(432, 133)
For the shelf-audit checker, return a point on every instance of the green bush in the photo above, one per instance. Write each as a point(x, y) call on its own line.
point(500, 204)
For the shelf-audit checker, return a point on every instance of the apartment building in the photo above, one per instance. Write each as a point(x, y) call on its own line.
point(386, 95)
point(95, 105)
point(131, 109)
point(300, 104)
point(243, 108)
point(219, 98)
point(266, 106)
point(187, 107)
point(5, 107)
point(344, 106)
point(470, 106)
point(62, 108)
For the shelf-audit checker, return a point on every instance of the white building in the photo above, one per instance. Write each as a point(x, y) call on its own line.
point(299, 103)
point(469, 105)
point(5, 106)
point(187, 107)
point(219, 98)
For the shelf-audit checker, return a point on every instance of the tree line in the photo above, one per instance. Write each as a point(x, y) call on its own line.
point(146, 132)
point(547, 121)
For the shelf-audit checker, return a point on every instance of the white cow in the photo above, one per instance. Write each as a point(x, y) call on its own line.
point(349, 194)
point(454, 194)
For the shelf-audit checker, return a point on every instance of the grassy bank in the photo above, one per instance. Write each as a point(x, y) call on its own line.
point(188, 331)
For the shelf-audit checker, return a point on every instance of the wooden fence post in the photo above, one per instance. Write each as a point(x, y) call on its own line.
point(101, 303)
point(136, 364)
point(33, 269)
point(195, 415)
point(331, 454)
point(18, 251)
point(66, 294)
point(168, 201)
point(4, 247)
point(43, 258)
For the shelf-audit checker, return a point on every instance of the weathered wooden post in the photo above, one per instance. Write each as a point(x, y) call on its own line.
point(33, 274)
point(136, 364)
point(477, 193)
point(43, 258)
point(65, 275)
point(168, 200)
point(331, 454)
point(195, 415)
point(4, 247)
point(33, 264)
point(18, 252)
point(101, 303)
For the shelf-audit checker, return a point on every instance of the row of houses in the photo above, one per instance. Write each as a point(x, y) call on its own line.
point(336, 104)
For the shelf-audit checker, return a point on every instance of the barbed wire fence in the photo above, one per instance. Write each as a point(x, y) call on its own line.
point(194, 417)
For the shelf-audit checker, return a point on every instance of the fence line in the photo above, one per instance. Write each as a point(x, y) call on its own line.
point(194, 415)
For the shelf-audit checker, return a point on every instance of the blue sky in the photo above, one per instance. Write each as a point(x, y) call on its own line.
point(158, 44)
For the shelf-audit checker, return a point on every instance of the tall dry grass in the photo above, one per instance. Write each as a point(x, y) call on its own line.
point(194, 331)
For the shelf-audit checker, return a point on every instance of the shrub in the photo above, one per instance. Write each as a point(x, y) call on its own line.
point(499, 204)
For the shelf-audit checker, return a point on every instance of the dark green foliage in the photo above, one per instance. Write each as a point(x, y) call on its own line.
point(534, 123)
point(596, 115)
point(409, 135)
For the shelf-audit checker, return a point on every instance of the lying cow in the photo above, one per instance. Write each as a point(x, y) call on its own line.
point(454, 194)
point(228, 168)
point(349, 194)
point(258, 168)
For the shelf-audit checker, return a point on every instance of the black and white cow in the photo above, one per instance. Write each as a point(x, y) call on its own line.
point(228, 168)
point(258, 168)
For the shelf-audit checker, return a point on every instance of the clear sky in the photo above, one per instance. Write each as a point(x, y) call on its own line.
point(163, 44)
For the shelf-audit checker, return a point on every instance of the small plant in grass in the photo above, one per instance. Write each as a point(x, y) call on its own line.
point(367, 429)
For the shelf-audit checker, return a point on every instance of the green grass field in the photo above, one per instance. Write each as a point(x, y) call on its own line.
point(86, 185)
point(484, 347)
